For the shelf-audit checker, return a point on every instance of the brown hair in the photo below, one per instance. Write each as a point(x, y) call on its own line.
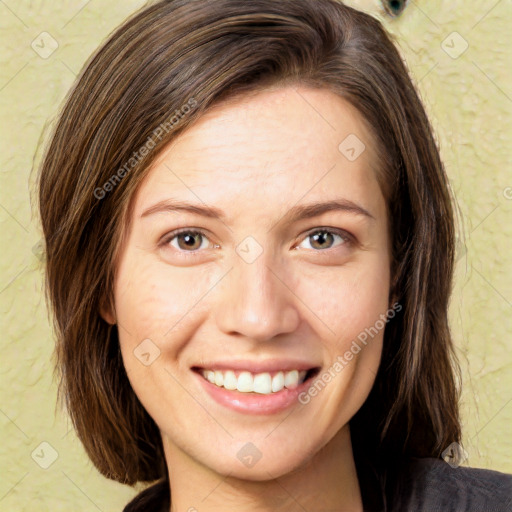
point(197, 52)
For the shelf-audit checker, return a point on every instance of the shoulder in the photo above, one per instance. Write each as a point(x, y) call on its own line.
point(154, 498)
point(430, 485)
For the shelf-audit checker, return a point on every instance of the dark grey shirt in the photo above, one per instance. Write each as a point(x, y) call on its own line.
point(432, 485)
point(426, 485)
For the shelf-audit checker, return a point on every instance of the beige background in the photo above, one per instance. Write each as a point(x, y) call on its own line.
point(468, 95)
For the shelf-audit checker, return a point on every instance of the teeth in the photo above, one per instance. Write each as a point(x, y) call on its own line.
point(278, 382)
point(262, 383)
point(245, 382)
point(230, 381)
point(219, 379)
point(291, 379)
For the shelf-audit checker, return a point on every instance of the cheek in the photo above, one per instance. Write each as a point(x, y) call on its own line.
point(348, 299)
point(152, 300)
point(149, 306)
point(158, 309)
point(351, 301)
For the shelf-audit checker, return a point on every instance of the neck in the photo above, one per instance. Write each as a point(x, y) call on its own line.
point(327, 481)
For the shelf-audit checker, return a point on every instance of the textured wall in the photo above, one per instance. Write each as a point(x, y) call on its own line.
point(459, 53)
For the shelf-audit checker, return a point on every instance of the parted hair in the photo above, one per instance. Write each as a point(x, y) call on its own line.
point(198, 53)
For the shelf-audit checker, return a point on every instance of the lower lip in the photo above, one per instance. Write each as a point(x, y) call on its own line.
point(254, 403)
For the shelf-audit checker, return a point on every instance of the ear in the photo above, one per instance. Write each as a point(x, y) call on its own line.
point(107, 311)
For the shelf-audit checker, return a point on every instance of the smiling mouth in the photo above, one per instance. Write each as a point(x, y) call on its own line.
point(265, 383)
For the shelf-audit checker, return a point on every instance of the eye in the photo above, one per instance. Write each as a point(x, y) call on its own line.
point(186, 240)
point(323, 238)
point(192, 240)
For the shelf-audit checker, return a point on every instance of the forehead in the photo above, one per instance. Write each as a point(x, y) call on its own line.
point(272, 147)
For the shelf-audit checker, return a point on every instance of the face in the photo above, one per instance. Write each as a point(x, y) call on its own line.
point(257, 254)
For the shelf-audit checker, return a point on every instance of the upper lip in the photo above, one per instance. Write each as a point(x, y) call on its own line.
point(269, 365)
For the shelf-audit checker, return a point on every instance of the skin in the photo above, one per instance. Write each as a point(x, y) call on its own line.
point(256, 157)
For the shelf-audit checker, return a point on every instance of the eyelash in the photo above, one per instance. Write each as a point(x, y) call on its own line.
point(348, 239)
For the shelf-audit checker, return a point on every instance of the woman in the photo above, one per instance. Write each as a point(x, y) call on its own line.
point(206, 338)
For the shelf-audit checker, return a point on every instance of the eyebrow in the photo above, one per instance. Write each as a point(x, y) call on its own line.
point(296, 213)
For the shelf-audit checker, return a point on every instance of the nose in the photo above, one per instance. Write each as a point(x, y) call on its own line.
point(256, 302)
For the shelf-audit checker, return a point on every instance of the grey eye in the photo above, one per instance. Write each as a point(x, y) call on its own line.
point(317, 239)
